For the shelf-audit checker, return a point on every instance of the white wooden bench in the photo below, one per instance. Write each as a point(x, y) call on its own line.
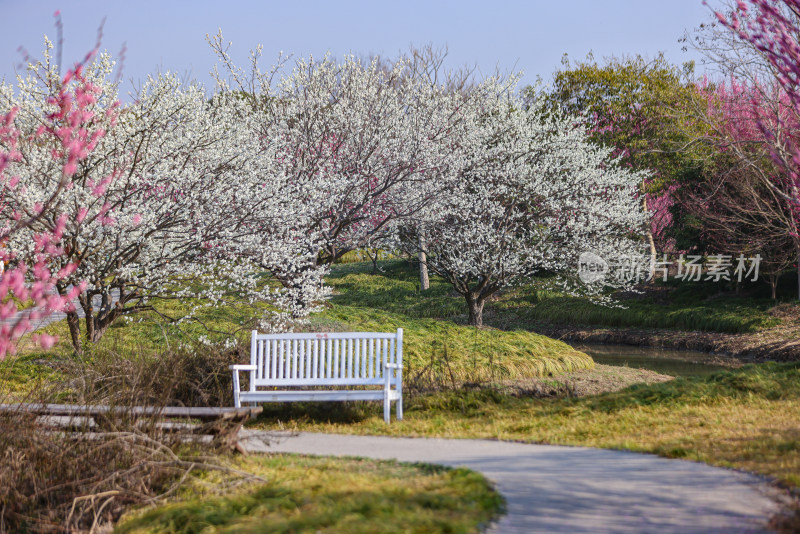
point(321, 366)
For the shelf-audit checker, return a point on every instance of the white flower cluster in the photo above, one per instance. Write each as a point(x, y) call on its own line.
point(522, 191)
point(191, 198)
point(178, 200)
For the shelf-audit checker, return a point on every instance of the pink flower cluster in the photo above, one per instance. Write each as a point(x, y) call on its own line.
point(771, 27)
point(27, 292)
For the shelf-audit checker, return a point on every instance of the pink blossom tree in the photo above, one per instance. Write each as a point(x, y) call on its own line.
point(67, 124)
point(770, 29)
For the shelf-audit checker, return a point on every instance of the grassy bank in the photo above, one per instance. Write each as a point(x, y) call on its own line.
point(677, 306)
point(307, 494)
point(726, 314)
point(439, 350)
point(744, 418)
point(438, 346)
point(705, 306)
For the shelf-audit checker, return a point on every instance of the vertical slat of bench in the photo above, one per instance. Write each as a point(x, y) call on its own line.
point(301, 358)
point(362, 358)
point(268, 357)
point(370, 354)
point(273, 351)
point(345, 355)
point(347, 362)
point(365, 373)
point(315, 351)
point(265, 356)
point(253, 358)
point(392, 344)
point(309, 362)
point(367, 370)
point(287, 359)
point(357, 358)
point(328, 359)
point(259, 361)
point(342, 358)
point(278, 359)
point(384, 351)
point(336, 344)
point(262, 357)
point(354, 370)
point(348, 367)
point(293, 359)
point(284, 360)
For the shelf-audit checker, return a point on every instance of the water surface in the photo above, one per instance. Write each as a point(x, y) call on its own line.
point(665, 361)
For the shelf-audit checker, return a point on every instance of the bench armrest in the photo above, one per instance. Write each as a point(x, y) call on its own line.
point(393, 366)
point(242, 367)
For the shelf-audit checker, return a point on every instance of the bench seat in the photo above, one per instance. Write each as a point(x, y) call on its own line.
point(322, 366)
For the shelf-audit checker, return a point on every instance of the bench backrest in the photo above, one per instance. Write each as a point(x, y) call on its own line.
point(348, 358)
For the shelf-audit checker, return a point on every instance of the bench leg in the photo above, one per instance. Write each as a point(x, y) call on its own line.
point(387, 407)
point(236, 402)
point(400, 409)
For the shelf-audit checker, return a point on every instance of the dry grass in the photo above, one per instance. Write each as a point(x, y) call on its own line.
point(601, 379)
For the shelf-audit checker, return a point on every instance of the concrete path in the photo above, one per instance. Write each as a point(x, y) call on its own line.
point(570, 489)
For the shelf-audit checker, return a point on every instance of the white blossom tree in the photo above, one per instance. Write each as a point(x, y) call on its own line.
point(158, 199)
point(526, 191)
point(351, 135)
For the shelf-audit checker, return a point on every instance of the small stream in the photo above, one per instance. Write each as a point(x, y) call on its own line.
point(668, 362)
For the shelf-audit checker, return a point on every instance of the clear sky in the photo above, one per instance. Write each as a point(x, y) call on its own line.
point(530, 36)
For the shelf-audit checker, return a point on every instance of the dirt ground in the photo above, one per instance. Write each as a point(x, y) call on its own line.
point(601, 379)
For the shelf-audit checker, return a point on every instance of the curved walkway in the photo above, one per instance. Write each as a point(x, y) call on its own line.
point(569, 489)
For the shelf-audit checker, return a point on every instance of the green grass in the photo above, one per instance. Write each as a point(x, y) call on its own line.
point(443, 353)
point(744, 418)
point(149, 332)
point(436, 352)
point(724, 314)
point(19, 376)
point(437, 347)
point(306, 494)
point(678, 306)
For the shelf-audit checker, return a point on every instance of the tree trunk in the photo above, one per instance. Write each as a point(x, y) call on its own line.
point(651, 241)
point(89, 323)
point(424, 282)
point(475, 305)
point(773, 285)
point(73, 321)
point(100, 329)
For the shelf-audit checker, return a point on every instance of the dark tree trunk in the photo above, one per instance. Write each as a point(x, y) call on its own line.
point(74, 323)
point(101, 324)
point(773, 285)
point(475, 305)
point(90, 324)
